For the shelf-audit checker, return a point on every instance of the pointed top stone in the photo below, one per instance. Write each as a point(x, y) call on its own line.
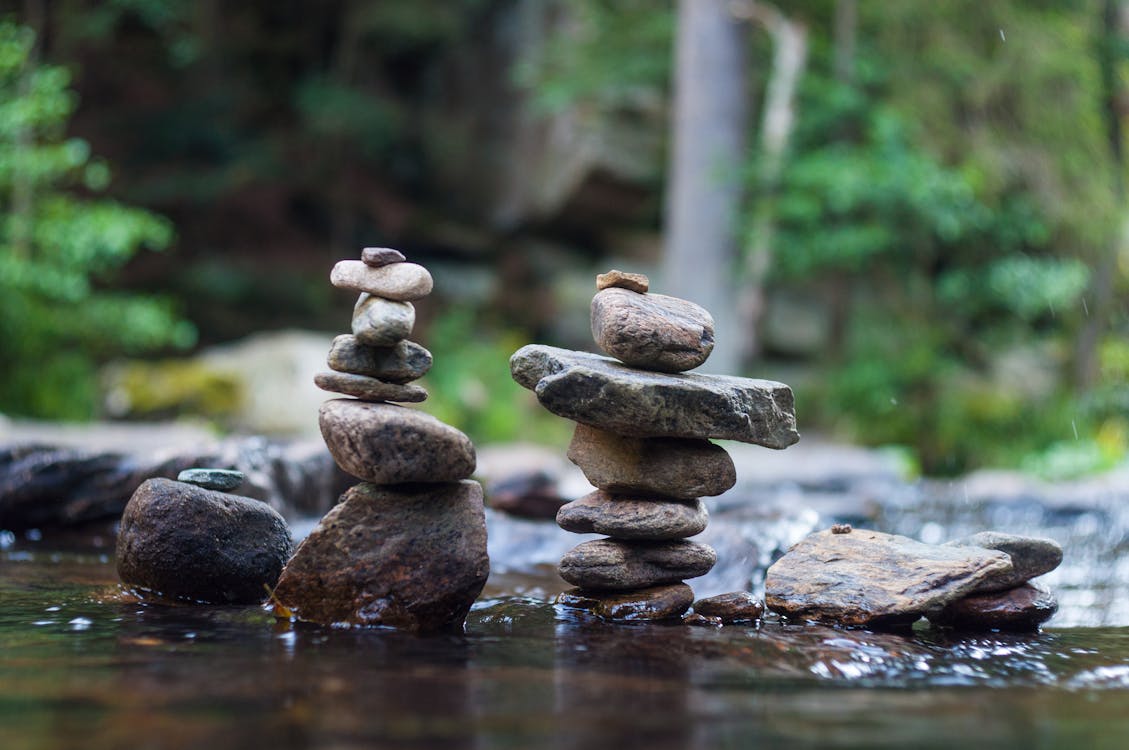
point(381, 256)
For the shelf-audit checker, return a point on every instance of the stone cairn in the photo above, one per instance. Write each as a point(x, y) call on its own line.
point(407, 546)
point(642, 438)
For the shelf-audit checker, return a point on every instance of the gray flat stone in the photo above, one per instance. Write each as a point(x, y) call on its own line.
point(633, 518)
point(381, 256)
point(606, 394)
point(368, 389)
point(221, 480)
point(403, 362)
point(382, 322)
point(397, 281)
point(611, 565)
point(1031, 556)
point(655, 603)
point(651, 331)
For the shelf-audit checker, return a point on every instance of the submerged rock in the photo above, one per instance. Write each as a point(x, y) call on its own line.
point(611, 565)
point(632, 517)
point(185, 542)
point(651, 331)
point(1030, 556)
point(403, 362)
point(1023, 608)
point(655, 603)
point(738, 606)
point(411, 557)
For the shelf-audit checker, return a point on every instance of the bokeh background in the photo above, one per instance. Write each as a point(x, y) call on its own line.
point(913, 212)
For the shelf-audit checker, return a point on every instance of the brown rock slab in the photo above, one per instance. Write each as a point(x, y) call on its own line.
point(382, 322)
point(611, 565)
point(651, 331)
point(402, 362)
point(876, 580)
point(1023, 609)
point(381, 256)
point(368, 389)
point(389, 444)
point(655, 603)
point(406, 557)
point(636, 282)
point(738, 606)
point(684, 468)
point(633, 518)
point(185, 542)
point(1030, 556)
point(395, 281)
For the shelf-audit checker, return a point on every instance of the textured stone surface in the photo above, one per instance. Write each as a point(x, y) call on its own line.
point(655, 603)
point(410, 557)
point(186, 542)
point(368, 389)
point(397, 281)
point(221, 480)
point(871, 579)
point(382, 322)
point(607, 564)
point(603, 393)
point(381, 256)
point(738, 606)
point(403, 362)
point(633, 518)
point(1023, 609)
point(1030, 556)
point(636, 282)
point(651, 331)
point(388, 444)
point(676, 467)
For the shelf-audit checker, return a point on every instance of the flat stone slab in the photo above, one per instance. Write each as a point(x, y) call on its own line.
point(871, 579)
point(1021, 609)
point(221, 480)
point(633, 518)
point(368, 389)
point(1031, 556)
point(398, 281)
point(603, 393)
point(684, 468)
point(411, 558)
point(655, 603)
point(611, 565)
point(651, 331)
point(402, 362)
point(382, 322)
point(737, 606)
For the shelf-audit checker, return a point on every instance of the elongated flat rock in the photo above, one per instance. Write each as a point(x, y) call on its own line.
point(1031, 556)
point(382, 322)
point(1023, 609)
point(651, 331)
point(398, 281)
point(871, 579)
point(368, 389)
point(633, 518)
point(403, 362)
point(611, 565)
point(656, 603)
point(604, 393)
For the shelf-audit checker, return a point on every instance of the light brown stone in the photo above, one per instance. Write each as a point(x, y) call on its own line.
point(396, 281)
point(651, 331)
point(368, 389)
point(738, 606)
point(633, 518)
point(636, 282)
point(382, 322)
point(612, 565)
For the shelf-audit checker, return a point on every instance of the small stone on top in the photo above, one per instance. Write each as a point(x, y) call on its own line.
point(381, 256)
point(636, 282)
point(223, 480)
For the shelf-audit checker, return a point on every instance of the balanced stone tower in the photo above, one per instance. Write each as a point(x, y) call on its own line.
point(407, 546)
point(642, 438)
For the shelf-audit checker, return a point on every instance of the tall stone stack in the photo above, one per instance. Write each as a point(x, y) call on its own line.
point(407, 546)
point(642, 438)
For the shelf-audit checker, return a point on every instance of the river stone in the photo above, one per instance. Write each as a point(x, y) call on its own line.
point(636, 282)
point(397, 281)
point(382, 322)
point(871, 579)
point(1030, 556)
point(368, 389)
point(606, 394)
point(389, 444)
point(675, 467)
point(738, 606)
point(608, 564)
point(651, 331)
point(655, 603)
point(185, 542)
point(401, 363)
point(1022, 609)
point(221, 480)
point(633, 518)
point(407, 557)
point(381, 256)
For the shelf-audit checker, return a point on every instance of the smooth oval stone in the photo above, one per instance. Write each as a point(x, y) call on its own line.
point(1030, 556)
point(651, 331)
point(185, 542)
point(368, 389)
point(402, 362)
point(221, 480)
point(381, 256)
point(737, 606)
point(675, 467)
point(611, 565)
point(396, 281)
point(633, 518)
point(636, 282)
point(382, 322)
point(655, 603)
point(1022, 609)
point(389, 444)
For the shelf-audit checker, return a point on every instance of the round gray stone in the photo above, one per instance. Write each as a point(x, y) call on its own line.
point(1031, 556)
point(382, 322)
point(633, 518)
point(651, 331)
point(222, 480)
point(368, 389)
point(612, 565)
point(402, 362)
point(396, 281)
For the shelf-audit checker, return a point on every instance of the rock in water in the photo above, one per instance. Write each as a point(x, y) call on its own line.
point(397, 281)
point(610, 565)
point(738, 606)
point(651, 331)
point(388, 444)
point(222, 480)
point(368, 389)
point(382, 322)
point(603, 393)
point(381, 256)
point(1030, 556)
point(656, 603)
point(633, 518)
point(1021, 609)
point(675, 467)
point(636, 282)
point(186, 542)
point(871, 579)
point(401, 363)
point(407, 557)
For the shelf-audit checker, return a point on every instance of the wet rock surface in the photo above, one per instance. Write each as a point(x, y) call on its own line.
point(651, 331)
point(632, 517)
point(369, 389)
point(410, 557)
point(737, 606)
point(185, 542)
point(655, 603)
point(1030, 556)
point(395, 281)
point(607, 564)
point(1021, 609)
point(403, 362)
point(382, 322)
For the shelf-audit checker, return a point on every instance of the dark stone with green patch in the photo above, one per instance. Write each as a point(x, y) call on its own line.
point(222, 480)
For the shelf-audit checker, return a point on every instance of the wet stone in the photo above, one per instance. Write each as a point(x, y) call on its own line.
point(221, 480)
point(396, 281)
point(381, 256)
point(654, 603)
point(1030, 556)
point(636, 282)
point(1021, 609)
point(632, 517)
point(738, 606)
point(368, 389)
point(675, 467)
point(611, 565)
point(702, 620)
point(651, 331)
point(402, 362)
point(382, 322)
